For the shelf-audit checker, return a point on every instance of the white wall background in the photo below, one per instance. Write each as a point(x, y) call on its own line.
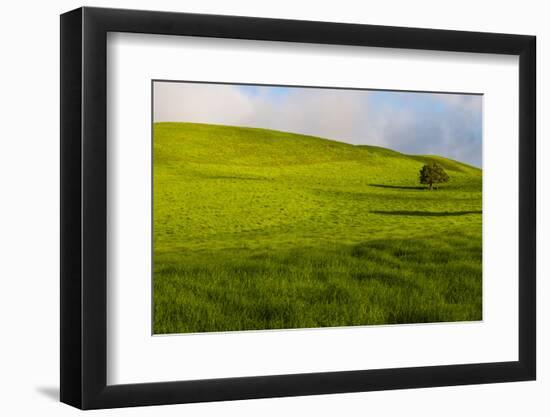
point(29, 213)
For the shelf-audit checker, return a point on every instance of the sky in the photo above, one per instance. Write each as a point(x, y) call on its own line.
point(417, 123)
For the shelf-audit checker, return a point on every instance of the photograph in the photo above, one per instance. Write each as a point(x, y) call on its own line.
point(292, 207)
point(280, 204)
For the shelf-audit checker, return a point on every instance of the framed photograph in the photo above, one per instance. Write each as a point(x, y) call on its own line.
point(259, 208)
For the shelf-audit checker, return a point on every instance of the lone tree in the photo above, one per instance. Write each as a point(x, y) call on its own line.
point(433, 173)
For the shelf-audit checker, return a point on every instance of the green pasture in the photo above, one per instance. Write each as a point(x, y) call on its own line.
point(260, 229)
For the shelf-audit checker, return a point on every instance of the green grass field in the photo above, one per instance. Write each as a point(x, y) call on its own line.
point(260, 229)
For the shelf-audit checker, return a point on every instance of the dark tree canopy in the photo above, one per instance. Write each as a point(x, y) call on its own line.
point(433, 173)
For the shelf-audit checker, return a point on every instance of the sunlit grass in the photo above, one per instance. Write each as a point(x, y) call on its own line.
point(257, 229)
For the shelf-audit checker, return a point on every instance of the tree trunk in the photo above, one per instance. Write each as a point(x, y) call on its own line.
point(430, 186)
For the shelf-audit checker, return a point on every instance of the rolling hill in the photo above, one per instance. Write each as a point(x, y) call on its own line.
point(261, 229)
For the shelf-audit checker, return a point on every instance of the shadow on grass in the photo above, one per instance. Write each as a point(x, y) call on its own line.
point(399, 187)
point(426, 213)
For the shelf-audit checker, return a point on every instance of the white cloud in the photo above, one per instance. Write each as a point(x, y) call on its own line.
point(303, 111)
point(201, 103)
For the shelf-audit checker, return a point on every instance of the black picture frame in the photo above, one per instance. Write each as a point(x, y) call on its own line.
point(84, 207)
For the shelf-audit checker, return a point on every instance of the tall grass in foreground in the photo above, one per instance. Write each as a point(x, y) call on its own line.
point(376, 282)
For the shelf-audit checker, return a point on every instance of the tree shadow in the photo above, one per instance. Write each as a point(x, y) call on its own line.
point(426, 213)
point(399, 187)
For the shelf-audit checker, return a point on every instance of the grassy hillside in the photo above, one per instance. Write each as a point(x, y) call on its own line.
point(260, 229)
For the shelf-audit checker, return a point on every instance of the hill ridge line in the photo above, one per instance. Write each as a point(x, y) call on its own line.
point(417, 157)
